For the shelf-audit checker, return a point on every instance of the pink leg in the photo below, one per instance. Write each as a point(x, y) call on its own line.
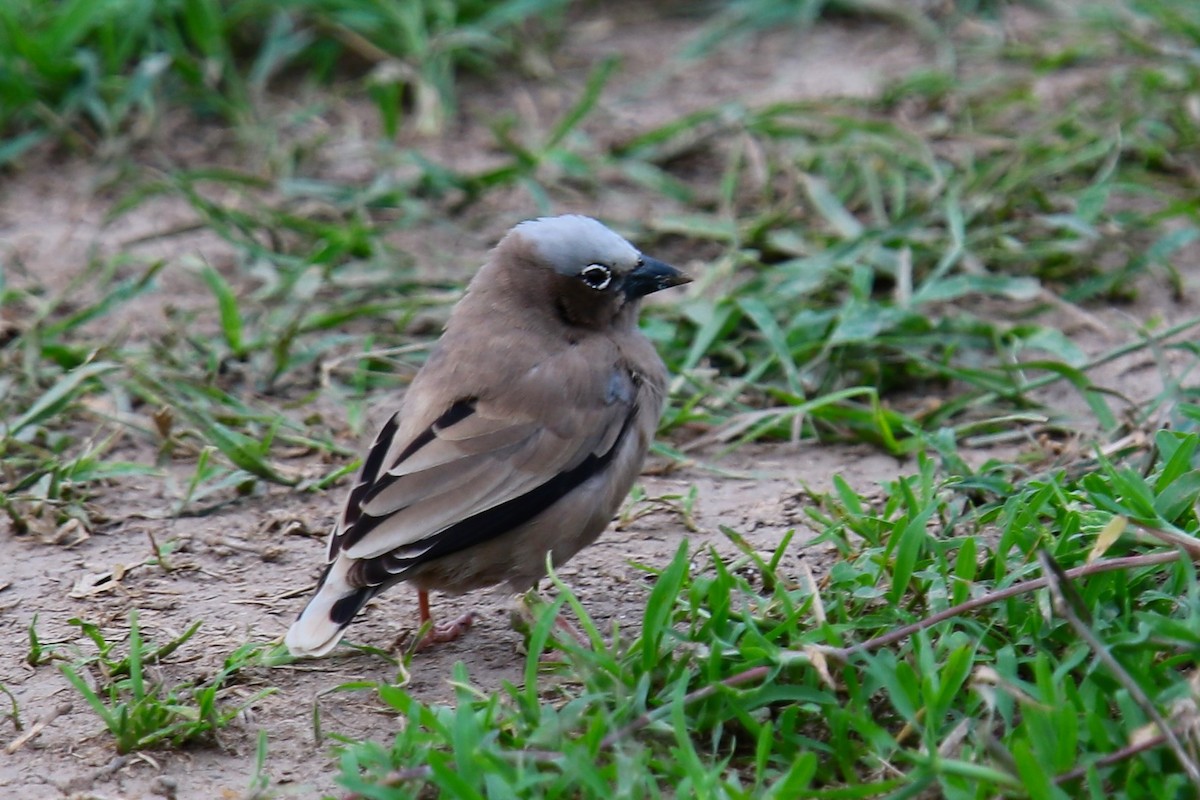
point(443, 632)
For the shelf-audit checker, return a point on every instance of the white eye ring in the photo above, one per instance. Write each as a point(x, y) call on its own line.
point(596, 276)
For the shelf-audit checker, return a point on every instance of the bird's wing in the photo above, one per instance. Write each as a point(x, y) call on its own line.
point(480, 469)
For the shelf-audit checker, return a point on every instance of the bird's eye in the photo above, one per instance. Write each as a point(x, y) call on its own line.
point(596, 276)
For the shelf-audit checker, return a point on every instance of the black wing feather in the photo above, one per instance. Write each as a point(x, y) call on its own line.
point(370, 483)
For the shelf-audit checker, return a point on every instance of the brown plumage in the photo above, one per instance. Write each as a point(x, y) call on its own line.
point(519, 437)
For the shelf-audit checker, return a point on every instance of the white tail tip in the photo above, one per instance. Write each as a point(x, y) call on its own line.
point(324, 619)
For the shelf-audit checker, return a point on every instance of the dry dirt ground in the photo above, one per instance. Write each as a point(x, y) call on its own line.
point(242, 569)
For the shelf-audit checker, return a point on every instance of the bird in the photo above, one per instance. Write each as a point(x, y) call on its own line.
point(515, 442)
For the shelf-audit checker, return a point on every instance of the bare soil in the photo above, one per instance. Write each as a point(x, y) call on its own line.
point(243, 569)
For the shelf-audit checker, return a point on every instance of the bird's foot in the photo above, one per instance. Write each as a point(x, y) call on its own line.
point(565, 625)
point(525, 616)
point(443, 632)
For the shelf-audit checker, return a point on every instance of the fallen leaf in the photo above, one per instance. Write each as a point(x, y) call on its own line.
point(1107, 537)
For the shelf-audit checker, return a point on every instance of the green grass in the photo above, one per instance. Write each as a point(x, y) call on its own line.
point(142, 713)
point(746, 679)
point(84, 72)
point(1008, 628)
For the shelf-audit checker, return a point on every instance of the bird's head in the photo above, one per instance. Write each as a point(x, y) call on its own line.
point(589, 274)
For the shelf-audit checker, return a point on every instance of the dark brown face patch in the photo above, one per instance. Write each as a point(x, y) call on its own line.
point(580, 305)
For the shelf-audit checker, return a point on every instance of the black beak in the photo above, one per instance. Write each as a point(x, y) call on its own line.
point(652, 275)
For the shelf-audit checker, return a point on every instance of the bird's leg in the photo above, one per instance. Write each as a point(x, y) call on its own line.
point(443, 632)
point(423, 606)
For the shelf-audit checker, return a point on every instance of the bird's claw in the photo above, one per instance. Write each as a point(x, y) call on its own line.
point(444, 632)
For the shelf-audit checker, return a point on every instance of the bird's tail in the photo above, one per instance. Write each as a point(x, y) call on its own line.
point(327, 614)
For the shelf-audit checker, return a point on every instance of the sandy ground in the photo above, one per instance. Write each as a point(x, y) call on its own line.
point(242, 569)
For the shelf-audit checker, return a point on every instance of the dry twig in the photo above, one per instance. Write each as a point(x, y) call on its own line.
point(37, 727)
point(1024, 587)
point(1059, 583)
point(1115, 757)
